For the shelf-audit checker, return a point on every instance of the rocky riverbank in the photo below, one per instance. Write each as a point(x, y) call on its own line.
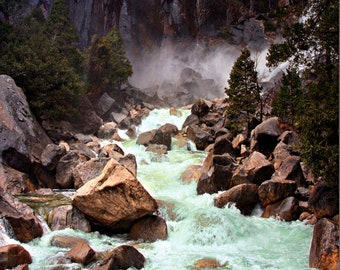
point(264, 169)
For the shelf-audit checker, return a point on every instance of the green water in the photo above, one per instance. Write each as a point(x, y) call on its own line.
point(196, 228)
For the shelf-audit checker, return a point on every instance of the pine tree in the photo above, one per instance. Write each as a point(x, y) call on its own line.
point(243, 93)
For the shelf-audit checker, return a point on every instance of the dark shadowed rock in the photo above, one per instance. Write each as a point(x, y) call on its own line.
point(201, 107)
point(115, 199)
point(191, 120)
point(24, 223)
point(122, 257)
point(286, 209)
point(271, 191)
point(107, 130)
point(51, 155)
point(200, 137)
point(244, 196)
point(255, 169)
point(13, 255)
point(169, 128)
point(156, 136)
point(149, 229)
point(67, 216)
point(129, 162)
point(111, 150)
point(223, 145)
point(324, 251)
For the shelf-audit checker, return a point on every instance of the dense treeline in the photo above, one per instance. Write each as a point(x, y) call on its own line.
point(41, 55)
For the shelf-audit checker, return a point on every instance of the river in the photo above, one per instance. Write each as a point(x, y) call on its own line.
point(196, 228)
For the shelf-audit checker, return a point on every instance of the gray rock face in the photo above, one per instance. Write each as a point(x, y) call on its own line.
point(22, 139)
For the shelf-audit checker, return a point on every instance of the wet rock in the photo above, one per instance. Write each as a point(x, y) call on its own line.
point(201, 107)
point(65, 167)
point(159, 149)
point(191, 120)
point(290, 169)
point(207, 263)
point(255, 169)
point(22, 139)
point(87, 170)
point(271, 191)
point(67, 216)
point(122, 257)
point(192, 173)
point(156, 136)
point(149, 229)
point(286, 209)
point(223, 145)
point(66, 241)
point(244, 196)
point(324, 201)
point(169, 128)
point(324, 251)
point(117, 188)
point(51, 155)
point(25, 224)
point(107, 130)
point(15, 182)
point(81, 253)
point(264, 136)
point(13, 255)
point(200, 137)
point(205, 185)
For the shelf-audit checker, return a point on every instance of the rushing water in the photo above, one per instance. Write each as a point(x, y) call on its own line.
point(196, 228)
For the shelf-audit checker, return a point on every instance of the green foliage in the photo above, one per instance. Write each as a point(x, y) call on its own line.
point(243, 93)
point(287, 104)
point(50, 82)
point(313, 47)
point(106, 64)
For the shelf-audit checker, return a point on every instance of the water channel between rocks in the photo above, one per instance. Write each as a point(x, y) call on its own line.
point(196, 228)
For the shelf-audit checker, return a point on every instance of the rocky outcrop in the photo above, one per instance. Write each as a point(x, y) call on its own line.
point(118, 188)
point(324, 251)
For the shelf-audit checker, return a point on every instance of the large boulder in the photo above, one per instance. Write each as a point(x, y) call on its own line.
point(81, 253)
point(51, 155)
point(149, 229)
point(13, 255)
point(122, 257)
point(223, 145)
point(287, 209)
point(22, 138)
point(255, 169)
point(25, 224)
point(324, 250)
point(271, 191)
point(199, 136)
point(156, 136)
point(201, 107)
point(244, 196)
point(115, 199)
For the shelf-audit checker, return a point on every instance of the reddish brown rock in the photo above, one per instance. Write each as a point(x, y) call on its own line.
point(255, 169)
point(223, 145)
point(244, 196)
point(286, 209)
point(207, 263)
point(200, 137)
point(67, 216)
point(111, 151)
point(81, 253)
point(24, 223)
point(324, 251)
point(115, 199)
point(149, 229)
point(156, 136)
point(271, 191)
point(13, 255)
point(201, 107)
point(107, 130)
point(122, 257)
point(169, 128)
point(66, 241)
point(192, 173)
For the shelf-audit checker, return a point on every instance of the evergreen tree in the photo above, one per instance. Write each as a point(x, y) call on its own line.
point(243, 93)
point(313, 47)
point(107, 66)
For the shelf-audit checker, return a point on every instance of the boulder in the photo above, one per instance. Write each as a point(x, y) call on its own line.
point(15, 182)
point(122, 257)
point(200, 137)
point(287, 209)
point(58, 130)
point(169, 128)
point(65, 167)
point(67, 216)
point(191, 120)
point(201, 107)
point(81, 253)
point(192, 173)
point(107, 130)
point(205, 185)
point(66, 241)
point(324, 250)
point(51, 155)
point(290, 137)
point(290, 169)
point(223, 145)
point(129, 162)
point(159, 149)
point(22, 139)
point(271, 191)
point(25, 224)
point(85, 171)
point(264, 136)
point(156, 136)
point(149, 229)
point(207, 263)
point(213, 119)
point(244, 196)
point(13, 255)
point(83, 150)
point(281, 152)
point(104, 104)
point(255, 169)
point(111, 150)
point(115, 199)
point(324, 201)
